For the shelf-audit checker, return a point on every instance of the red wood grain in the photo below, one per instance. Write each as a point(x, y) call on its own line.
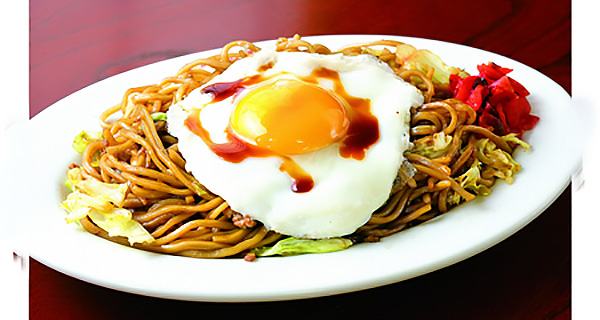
point(75, 43)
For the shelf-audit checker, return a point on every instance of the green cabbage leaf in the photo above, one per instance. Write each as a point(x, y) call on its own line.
point(84, 138)
point(439, 146)
point(295, 246)
point(412, 59)
point(502, 164)
point(102, 202)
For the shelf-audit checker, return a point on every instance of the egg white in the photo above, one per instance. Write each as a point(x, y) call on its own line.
point(346, 191)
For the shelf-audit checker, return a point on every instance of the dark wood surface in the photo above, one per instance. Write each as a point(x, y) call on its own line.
point(75, 43)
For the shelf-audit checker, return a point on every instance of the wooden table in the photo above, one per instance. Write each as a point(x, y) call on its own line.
point(75, 43)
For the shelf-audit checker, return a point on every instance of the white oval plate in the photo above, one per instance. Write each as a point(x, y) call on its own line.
point(453, 237)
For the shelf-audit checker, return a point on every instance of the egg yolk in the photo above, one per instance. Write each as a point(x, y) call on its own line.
point(290, 117)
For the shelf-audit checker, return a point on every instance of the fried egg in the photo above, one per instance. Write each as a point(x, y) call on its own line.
point(307, 144)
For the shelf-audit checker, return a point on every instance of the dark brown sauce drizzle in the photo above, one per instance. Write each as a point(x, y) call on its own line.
point(223, 90)
point(236, 150)
point(362, 133)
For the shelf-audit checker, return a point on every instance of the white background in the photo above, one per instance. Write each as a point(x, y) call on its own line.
point(14, 63)
point(586, 212)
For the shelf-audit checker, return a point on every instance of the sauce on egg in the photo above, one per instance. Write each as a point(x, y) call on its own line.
point(290, 116)
point(223, 90)
point(363, 130)
point(237, 150)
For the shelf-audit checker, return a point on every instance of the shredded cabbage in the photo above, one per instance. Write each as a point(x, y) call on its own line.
point(405, 172)
point(495, 161)
point(107, 192)
point(294, 246)
point(101, 202)
point(441, 141)
point(468, 180)
point(513, 139)
point(441, 145)
point(501, 161)
point(411, 58)
point(159, 116)
point(84, 138)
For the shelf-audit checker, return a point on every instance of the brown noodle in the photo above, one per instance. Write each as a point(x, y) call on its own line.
point(186, 219)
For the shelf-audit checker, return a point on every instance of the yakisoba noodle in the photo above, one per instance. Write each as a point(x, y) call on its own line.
point(186, 219)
